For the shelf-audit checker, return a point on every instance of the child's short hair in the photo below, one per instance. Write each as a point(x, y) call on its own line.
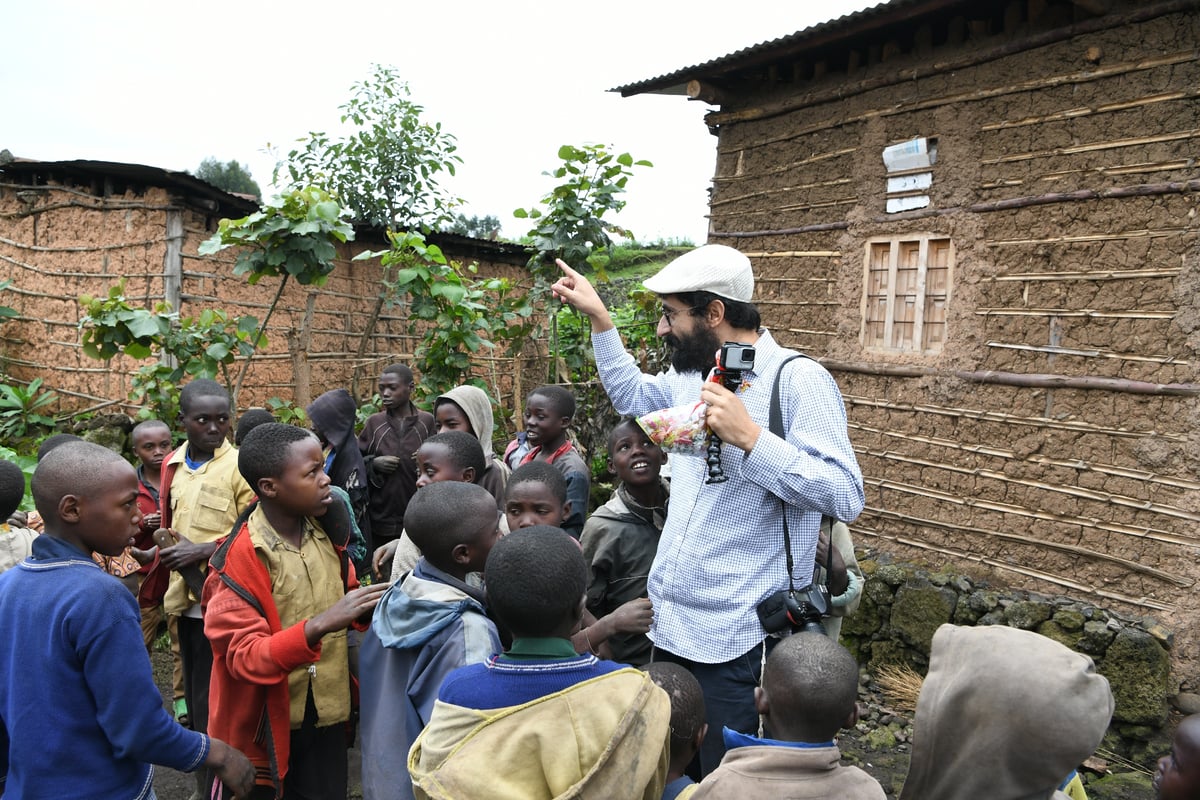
point(539, 472)
point(812, 684)
point(149, 424)
point(401, 371)
point(12, 488)
point(201, 387)
point(535, 579)
point(264, 453)
point(53, 441)
point(561, 399)
point(74, 467)
point(626, 422)
point(687, 703)
point(465, 450)
point(251, 418)
point(439, 518)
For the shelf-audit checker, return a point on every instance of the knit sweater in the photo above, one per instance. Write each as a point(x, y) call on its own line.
point(80, 715)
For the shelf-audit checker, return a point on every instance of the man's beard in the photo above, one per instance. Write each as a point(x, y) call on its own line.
point(694, 353)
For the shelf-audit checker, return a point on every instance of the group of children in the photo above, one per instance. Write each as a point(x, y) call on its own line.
point(501, 651)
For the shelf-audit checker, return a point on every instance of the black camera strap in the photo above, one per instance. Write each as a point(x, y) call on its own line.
point(775, 426)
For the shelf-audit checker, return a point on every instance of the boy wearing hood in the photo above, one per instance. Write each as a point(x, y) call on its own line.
point(1004, 714)
point(427, 625)
point(467, 408)
point(333, 415)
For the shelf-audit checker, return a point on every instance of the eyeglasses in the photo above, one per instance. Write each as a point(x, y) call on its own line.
point(669, 314)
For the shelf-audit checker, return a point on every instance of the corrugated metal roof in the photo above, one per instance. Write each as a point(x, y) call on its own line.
point(842, 28)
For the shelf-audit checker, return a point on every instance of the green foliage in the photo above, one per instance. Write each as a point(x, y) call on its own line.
point(455, 314)
point(27, 463)
point(21, 409)
point(479, 227)
point(572, 225)
point(203, 346)
point(366, 409)
point(287, 412)
point(6, 312)
point(296, 235)
point(386, 172)
point(229, 176)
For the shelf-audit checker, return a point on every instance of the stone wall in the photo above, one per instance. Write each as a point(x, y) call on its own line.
point(903, 605)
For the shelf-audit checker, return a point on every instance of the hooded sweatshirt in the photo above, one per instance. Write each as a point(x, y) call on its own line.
point(477, 407)
point(334, 413)
point(426, 626)
point(1004, 714)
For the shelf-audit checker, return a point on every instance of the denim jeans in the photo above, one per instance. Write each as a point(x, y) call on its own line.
point(728, 698)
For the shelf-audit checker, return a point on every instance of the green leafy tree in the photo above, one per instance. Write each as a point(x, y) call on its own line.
point(455, 314)
point(229, 176)
point(295, 236)
point(487, 227)
point(571, 224)
point(204, 346)
point(387, 171)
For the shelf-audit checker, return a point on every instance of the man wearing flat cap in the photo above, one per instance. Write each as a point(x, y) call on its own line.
point(721, 552)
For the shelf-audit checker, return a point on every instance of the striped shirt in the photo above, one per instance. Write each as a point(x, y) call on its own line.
point(721, 552)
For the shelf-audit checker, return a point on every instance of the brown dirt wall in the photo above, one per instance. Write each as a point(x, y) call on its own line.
point(1085, 492)
point(79, 244)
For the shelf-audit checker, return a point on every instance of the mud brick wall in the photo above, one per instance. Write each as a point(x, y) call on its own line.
point(1067, 182)
point(62, 241)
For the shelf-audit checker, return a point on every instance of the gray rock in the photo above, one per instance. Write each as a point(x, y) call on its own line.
point(1027, 614)
point(1138, 670)
point(1096, 637)
point(918, 611)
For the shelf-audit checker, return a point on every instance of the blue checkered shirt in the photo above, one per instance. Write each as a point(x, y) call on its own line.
point(721, 551)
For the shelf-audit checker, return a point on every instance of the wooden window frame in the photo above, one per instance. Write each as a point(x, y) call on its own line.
point(887, 341)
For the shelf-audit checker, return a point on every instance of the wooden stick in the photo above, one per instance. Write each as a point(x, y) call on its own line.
point(1032, 380)
point(793, 254)
point(1071, 491)
point(1154, 534)
point(1146, 233)
point(1132, 566)
point(1142, 602)
point(1101, 275)
point(89, 249)
point(780, 168)
point(1182, 362)
point(1141, 190)
point(1079, 313)
point(1011, 419)
point(782, 190)
point(1092, 147)
point(1040, 460)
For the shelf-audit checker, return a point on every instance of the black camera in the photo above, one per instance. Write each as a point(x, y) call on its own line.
point(797, 609)
point(736, 358)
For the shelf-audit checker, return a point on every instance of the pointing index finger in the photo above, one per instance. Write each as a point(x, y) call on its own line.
point(570, 273)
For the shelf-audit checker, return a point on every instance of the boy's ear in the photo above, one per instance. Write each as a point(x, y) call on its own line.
point(852, 719)
point(611, 469)
point(566, 511)
point(762, 703)
point(266, 487)
point(468, 475)
point(69, 509)
point(461, 554)
point(698, 739)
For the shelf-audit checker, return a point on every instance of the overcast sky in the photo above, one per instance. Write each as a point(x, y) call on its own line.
point(169, 83)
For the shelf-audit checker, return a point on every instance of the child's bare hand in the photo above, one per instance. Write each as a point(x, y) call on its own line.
point(150, 522)
point(179, 552)
point(381, 562)
point(385, 465)
point(232, 768)
point(342, 614)
point(18, 519)
point(633, 617)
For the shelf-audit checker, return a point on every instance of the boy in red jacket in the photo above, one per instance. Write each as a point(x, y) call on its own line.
point(279, 597)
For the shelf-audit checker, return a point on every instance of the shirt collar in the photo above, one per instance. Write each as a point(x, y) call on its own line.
point(538, 647)
point(735, 739)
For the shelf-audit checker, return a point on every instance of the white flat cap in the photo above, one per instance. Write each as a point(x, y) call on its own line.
point(714, 268)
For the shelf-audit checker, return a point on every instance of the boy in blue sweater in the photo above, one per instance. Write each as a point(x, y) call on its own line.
point(80, 715)
point(428, 624)
point(540, 720)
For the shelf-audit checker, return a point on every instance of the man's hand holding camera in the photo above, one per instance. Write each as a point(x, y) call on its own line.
point(728, 418)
